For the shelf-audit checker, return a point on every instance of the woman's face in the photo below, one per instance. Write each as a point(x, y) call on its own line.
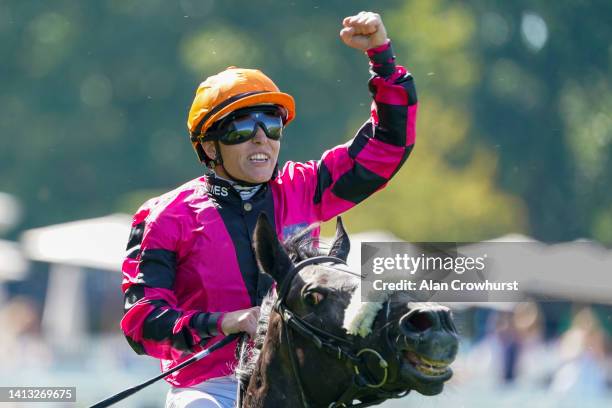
point(252, 161)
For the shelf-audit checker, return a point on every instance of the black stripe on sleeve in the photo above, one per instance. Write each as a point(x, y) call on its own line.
point(135, 239)
point(357, 184)
point(391, 127)
point(206, 324)
point(361, 139)
point(324, 180)
point(159, 324)
point(407, 82)
point(383, 63)
point(324, 176)
point(157, 268)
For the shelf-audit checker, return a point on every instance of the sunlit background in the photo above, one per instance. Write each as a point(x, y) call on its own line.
point(514, 136)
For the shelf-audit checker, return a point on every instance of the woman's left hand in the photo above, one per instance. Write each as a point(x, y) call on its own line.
point(364, 31)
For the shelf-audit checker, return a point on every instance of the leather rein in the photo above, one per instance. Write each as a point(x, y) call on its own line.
point(342, 348)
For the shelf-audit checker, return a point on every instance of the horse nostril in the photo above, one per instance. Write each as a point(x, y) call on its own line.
point(447, 319)
point(417, 320)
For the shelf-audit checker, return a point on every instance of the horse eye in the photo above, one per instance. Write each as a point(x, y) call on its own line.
point(313, 298)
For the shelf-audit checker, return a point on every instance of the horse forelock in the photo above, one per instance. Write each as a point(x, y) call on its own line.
point(359, 316)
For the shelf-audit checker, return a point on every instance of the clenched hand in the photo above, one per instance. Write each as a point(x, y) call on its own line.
point(363, 31)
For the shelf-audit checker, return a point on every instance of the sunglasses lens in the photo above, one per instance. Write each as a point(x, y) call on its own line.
point(239, 131)
point(244, 128)
point(274, 126)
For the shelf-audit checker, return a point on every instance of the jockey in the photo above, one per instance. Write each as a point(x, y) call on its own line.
point(190, 275)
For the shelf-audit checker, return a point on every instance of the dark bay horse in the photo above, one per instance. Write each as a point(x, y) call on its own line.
point(318, 345)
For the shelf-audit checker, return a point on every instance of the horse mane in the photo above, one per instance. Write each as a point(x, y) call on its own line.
point(300, 246)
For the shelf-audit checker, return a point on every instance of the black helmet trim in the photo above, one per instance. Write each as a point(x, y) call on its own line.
point(195, 135)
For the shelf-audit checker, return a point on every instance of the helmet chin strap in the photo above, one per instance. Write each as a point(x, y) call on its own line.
point(218, 160)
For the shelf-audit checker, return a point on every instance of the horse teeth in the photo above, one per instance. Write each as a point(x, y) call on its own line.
point(426, 366)
point(431, 370)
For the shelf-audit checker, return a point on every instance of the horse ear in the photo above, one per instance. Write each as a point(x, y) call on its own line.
point(269, 253)
point(341, 246)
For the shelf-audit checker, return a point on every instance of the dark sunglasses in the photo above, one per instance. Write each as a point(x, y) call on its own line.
point(241, 125)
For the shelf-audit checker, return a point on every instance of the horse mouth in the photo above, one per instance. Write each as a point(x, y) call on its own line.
point(427, 369)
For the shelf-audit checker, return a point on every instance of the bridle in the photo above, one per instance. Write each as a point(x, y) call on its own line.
point(341, 347)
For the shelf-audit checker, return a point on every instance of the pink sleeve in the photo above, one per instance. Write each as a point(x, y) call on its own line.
point(347, 174)
point(153, 322)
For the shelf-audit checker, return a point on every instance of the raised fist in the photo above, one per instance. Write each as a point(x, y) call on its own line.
point(363, 31)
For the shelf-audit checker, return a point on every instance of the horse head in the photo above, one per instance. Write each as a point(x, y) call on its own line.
point(418, 340)
point(325, 347)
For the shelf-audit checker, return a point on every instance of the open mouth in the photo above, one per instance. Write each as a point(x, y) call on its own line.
point(429, 369)
point(259, 158)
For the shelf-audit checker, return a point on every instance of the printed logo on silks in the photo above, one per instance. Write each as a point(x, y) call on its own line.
point(293, 229)
point(218, 190)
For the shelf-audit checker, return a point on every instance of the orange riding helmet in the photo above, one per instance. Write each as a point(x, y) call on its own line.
point(228, 91)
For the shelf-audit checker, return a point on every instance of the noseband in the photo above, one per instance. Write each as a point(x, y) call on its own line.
point(340, 347)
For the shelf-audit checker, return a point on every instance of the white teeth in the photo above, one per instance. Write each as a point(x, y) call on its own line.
point(259, 157)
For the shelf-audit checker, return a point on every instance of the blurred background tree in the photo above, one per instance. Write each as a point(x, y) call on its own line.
point(514, 133)
point(544, 99)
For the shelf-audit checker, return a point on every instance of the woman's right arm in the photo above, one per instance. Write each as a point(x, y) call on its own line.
point(153, 323)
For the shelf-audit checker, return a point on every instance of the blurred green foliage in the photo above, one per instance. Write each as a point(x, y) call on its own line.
point(514, 132)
